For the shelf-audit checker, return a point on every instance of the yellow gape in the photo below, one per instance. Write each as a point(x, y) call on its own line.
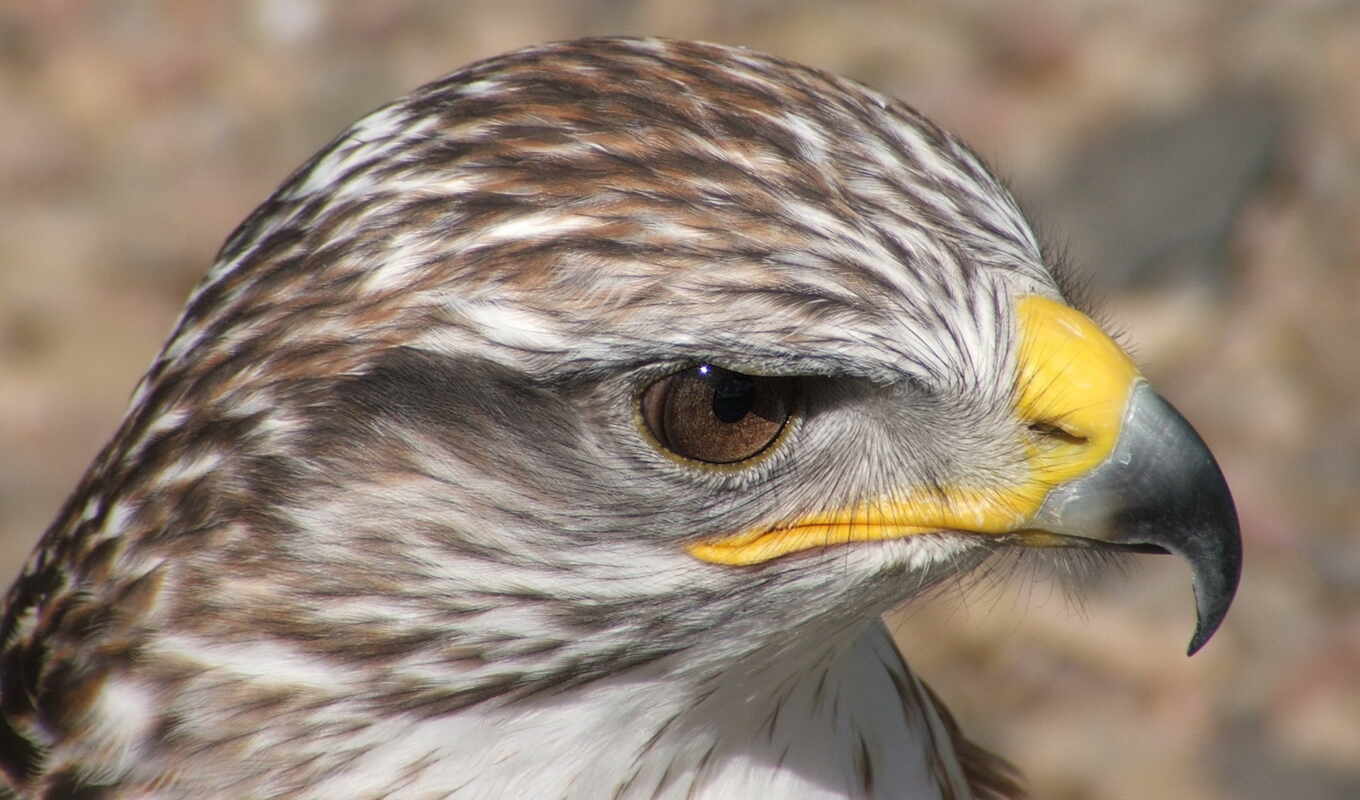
point(1072, 387)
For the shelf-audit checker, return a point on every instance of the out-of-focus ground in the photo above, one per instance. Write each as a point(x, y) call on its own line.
point(1201, 160)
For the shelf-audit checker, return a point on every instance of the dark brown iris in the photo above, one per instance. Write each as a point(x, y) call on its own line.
point(715, 415)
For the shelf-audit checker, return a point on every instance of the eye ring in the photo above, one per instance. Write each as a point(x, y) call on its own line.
point(717, 416)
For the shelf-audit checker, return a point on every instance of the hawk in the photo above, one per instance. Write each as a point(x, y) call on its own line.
point(562, 430)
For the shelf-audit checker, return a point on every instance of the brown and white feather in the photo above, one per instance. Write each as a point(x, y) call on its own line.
point(379, 521)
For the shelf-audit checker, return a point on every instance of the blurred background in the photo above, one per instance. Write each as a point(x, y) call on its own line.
point(1199, 160)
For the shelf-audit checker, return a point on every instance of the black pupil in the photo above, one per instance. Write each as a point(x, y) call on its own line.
point(733, 397)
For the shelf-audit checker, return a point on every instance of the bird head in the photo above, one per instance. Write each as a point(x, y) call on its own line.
point(608, 352)
point(633, 339)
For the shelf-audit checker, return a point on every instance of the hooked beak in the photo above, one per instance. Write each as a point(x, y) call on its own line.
point(1160, 489)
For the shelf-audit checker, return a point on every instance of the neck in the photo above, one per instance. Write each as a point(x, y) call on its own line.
point(823, 725)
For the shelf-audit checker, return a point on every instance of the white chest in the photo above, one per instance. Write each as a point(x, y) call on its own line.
point(840, 730)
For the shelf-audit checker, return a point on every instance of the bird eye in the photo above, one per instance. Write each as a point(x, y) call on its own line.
point(711, 414)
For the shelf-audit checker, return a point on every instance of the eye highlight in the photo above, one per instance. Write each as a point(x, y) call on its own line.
point(715, 415)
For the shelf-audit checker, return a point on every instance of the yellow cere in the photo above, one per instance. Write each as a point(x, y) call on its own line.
point(1071, 377)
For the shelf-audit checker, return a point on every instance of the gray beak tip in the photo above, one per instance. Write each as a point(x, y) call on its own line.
point(1200, 638)
point(1160, 488)
point(1187, 508)
point(1215, 581)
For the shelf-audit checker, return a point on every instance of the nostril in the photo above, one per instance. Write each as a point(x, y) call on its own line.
point(1055, 432)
